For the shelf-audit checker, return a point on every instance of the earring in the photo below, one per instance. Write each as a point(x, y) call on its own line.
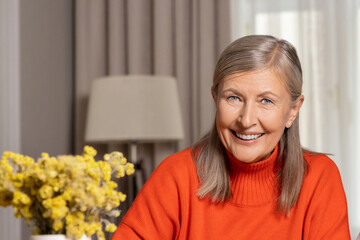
point(288, 124)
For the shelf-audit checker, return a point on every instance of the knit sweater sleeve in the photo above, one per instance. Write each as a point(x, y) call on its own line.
point(155, 213)
point(327, 216)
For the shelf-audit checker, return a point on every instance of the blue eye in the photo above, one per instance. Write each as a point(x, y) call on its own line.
point(233, 98)
point(266, 101)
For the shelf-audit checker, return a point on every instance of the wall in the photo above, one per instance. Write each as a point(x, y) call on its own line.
point(44, 73)
point(9, 100)
point(46, 76)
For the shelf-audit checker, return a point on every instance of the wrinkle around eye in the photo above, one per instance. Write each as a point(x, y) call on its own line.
point(233, 99)
point(266, 101)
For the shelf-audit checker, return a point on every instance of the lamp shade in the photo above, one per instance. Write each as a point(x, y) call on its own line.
point(133, 108)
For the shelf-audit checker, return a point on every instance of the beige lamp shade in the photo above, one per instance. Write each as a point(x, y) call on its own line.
point(133, 108)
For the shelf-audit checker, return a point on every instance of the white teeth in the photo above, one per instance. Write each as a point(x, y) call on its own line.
point(248, 137)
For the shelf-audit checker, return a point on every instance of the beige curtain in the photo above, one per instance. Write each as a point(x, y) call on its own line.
point(182, 38)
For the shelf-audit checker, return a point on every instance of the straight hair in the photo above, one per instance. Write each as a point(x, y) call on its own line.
point(247, 54)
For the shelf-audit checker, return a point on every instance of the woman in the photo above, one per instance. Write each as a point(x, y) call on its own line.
point(248, 178)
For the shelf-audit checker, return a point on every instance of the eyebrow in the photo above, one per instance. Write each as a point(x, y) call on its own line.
point(232, 90)
point(268, 93)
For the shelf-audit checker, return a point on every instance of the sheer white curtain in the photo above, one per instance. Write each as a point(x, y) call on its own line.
point(326, 35)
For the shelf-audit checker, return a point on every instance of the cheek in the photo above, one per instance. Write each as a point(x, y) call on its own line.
point(273, 121)
point(225, 115)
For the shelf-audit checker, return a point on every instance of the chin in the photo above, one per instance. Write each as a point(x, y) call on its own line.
point(247, 159)
point(248, 155)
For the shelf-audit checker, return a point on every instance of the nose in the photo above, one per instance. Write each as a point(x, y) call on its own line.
point(248, 115)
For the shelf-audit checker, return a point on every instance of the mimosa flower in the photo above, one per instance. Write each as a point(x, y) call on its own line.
point(65, 194)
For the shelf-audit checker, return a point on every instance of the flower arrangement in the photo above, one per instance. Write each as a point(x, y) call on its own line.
point(67, 194)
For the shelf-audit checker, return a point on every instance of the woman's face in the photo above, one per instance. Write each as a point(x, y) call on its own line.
point(253, 110)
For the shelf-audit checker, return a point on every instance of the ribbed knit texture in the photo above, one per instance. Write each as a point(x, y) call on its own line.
point(253, 184)
point(167, 207)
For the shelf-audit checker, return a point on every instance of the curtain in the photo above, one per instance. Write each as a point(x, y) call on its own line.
point(326, 36)
point(181, 38)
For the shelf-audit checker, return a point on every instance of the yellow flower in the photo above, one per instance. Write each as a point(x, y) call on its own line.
point(100, 235)
point(4, 164)
point(65, 194)
point(69, 219)
point(129, 168)
point(110, 227)
point(83, 208)
point(58, 225)
point(46, 192)
point(112, 184)
point(120, 172)
point(117, 154)
point(122, 197)
point(21, 198)
point(59, 212)
point(18, 214)
point(19, 176)
point(7, 154)
point(107, 157)
point(115, 213)
point(27, 212)
point(52, 173)
point(88, 150)
point(123, 161)
point(92, 228)
point(28, 161)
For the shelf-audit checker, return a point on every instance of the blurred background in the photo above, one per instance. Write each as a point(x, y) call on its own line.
point(52, 50)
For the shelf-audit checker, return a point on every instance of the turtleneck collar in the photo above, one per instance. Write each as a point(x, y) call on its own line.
point(255, 183)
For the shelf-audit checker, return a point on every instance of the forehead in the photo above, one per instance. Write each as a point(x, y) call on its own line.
point(264, 79)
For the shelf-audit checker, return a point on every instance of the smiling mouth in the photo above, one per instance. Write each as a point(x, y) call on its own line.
point(247, 137)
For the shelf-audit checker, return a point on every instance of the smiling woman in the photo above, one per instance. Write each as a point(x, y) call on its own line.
point(266, 75)
point(249, 177)
point(253, 110)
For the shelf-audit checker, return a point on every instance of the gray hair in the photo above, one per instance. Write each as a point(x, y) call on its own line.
point(251, 53)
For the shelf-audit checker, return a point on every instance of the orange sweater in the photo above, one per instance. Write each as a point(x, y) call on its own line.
point(167, 206)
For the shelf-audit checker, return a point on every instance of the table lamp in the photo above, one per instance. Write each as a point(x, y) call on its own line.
point(133, 109)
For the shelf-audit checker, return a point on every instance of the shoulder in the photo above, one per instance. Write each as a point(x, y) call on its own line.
point(177, 168)
point(322, 173)
point(320, 164)
point(179, 162)
point(160, 201)
point(324, 200)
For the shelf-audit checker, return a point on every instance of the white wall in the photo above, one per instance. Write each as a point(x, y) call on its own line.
point(9, 100)
point(36, 71)
point(46, 76)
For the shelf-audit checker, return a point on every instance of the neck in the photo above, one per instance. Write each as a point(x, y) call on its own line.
point(255, 183)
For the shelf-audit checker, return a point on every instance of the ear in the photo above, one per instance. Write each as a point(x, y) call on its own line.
point(295, 110)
